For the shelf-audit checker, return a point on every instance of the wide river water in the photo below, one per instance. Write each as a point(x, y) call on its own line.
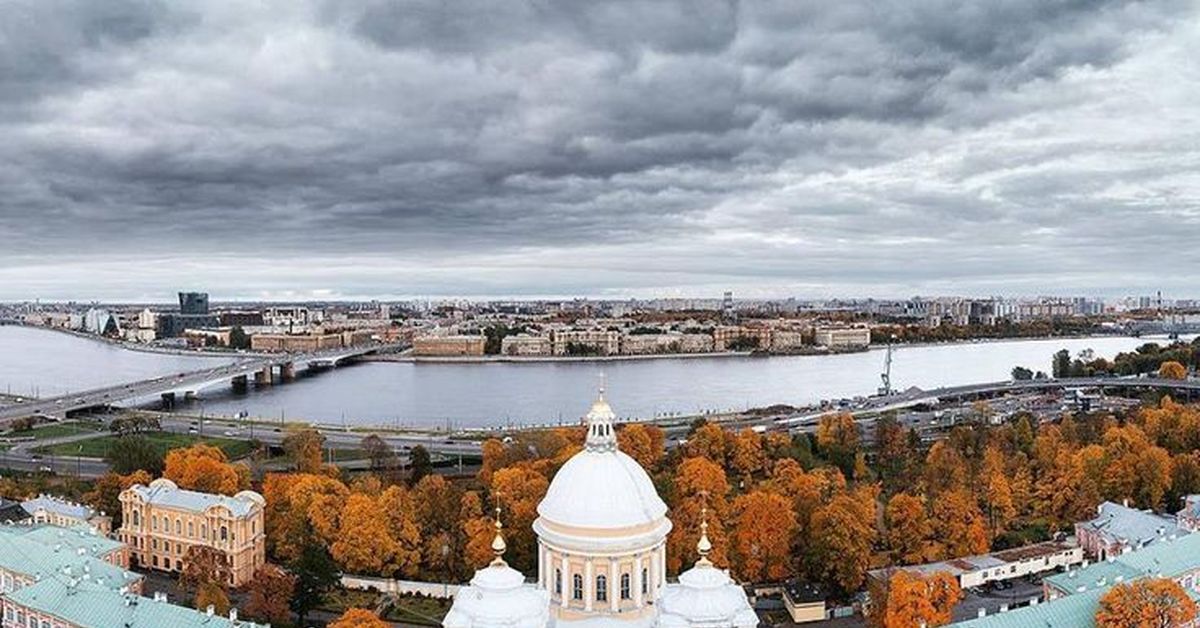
point(49, 363)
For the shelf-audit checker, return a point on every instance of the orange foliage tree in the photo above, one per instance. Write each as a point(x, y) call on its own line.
point(907, 530)
point(359, 618)
point(644, 443)
point(270, 593)
point(520, 490)
point(205, 468)
point(746, 455)
point(913, 600)
point(842, 535)
point(698, 483)
point(762, 536)
point(1172, 370)
point(958, 525)
point(1146, 603)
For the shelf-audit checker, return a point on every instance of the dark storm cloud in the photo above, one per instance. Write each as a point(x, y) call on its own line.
point(488, 147)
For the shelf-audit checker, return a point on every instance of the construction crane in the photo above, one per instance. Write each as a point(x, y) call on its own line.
point(886, 375)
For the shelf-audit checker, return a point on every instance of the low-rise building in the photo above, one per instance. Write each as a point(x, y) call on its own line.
point(1118, 528)
point(842, 337)
point(586, 341)
point(161, 522)
point(974, 571)
point(12, 512)
point(84, 602)
point(804, 601)
point(60, 512)
point(526, 345)
point(32, 553)
point(449, 346)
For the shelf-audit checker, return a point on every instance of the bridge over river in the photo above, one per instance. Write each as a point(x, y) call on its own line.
point(260, 369)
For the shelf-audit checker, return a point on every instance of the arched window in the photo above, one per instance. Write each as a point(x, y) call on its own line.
point(645, 582)
point(625, 586)
point(577, 587)
point(137, 518)
point(558, 582)
point(601, 588)
point(224, 533)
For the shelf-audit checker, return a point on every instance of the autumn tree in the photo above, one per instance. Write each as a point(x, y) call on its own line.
point(477, 530)
point(912, 600)
point(699, 484)
point(997, 491)
point(399, 515)
point(838, 441)
point(299, 502)
point(708, 441)
point(945, 469)
point(269, 594)
point(1172, 370)
point(958, 525)
point(206, 573)
point(907, 533)
point(359, 618)
point(746, 454)
point(520, 490)
point(843, 534)
point(762, 536)
point(205, 468)
point(644, 443)
point(303, 448)
point(363, 543)
point(1146, 603)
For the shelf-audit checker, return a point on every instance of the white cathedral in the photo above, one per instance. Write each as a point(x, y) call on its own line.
point(602, 562)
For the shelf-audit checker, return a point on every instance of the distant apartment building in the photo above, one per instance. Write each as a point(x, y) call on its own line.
point(741, 338)
point(60, 512)
point(842, 337)
point(526, 345)
point(160, 522)
point(296, 343)
point(193, 303)
point(448, 346)
point(1117, 528)
point(588, 341)
point(291, 317)
point(785, 340)
point(241, 318)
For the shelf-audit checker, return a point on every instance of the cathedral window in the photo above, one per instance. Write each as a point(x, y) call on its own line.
point(558, 582)
point(577, 587)
point(601, 588)
point(625, 586)
point(645, 582)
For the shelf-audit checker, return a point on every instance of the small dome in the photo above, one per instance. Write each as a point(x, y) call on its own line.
point(498, 597)
point(706, 596)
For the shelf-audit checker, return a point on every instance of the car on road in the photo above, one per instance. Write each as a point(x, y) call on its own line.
point(45, 469)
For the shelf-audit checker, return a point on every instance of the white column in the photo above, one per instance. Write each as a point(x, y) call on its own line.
point(542, 566)
point(614, 587)
point(662, 571)
point(637, 581)
point(589, 586)
point(565, 594)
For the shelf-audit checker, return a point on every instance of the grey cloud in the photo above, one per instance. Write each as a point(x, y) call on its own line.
point(772, 144)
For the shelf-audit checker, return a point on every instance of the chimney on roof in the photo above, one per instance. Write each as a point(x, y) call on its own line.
point(233, 615)
point(981, 613)
point(1125, 502)
point(210, 610)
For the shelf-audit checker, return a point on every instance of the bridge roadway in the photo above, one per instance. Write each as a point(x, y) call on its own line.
point(256, 369)
point(908, 399)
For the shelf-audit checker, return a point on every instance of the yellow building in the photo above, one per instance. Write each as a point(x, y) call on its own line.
point(161, 522)
point(839, 337)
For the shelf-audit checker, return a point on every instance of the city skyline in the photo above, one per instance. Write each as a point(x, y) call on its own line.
point(306, 150)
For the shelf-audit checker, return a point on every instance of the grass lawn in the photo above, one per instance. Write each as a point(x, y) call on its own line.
point(414, 609)
point(163, 441)
point(58, 430)
point(338, 600)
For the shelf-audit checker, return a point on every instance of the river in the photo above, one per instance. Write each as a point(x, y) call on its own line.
point(429, 394)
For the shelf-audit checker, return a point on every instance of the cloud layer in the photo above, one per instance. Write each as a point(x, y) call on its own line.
point(421, 147)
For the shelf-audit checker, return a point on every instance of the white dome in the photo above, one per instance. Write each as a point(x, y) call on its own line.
point(602, 489)
point(499, 598)
point(705, 596)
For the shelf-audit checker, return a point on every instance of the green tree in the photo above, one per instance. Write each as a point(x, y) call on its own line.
point(422, 465)
point(1021, 373)
point(134, 453)
point(238, 339)
point(1061, 365)
point(316, 575)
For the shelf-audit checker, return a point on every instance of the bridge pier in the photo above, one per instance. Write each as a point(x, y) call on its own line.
point(168, 400)
point(240, 383)
point(287, 371)
point(189, 395)
point(263, 377)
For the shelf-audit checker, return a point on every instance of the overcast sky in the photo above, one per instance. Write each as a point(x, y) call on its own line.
point(391, 148)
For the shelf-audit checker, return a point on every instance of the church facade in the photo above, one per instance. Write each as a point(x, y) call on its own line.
point(602, 536)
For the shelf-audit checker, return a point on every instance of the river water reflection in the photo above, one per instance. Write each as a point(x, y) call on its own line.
point(437, 394)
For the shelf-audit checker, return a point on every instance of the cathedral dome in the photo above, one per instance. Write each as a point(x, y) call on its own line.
point(601, 487)
point(498, 597)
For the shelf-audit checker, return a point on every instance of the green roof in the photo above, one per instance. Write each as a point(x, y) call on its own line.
point(39, 552)
point(1073, 611)
point(91, 605)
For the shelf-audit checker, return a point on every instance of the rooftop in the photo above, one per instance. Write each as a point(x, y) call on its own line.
point(40, 552)
point(92, 605)
point(163, 492)
point(51, 503)
point(1130, 525)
